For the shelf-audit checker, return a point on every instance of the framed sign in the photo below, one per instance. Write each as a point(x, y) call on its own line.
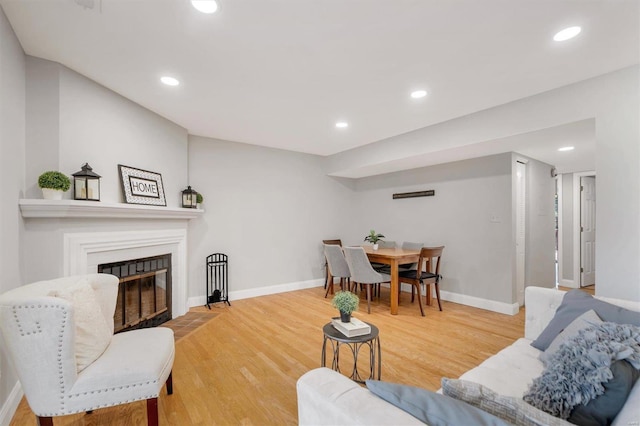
point(141, 186)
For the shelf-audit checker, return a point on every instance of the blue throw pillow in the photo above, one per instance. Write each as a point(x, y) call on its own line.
point(575, 303)
point(430, 407)
point(601, 410)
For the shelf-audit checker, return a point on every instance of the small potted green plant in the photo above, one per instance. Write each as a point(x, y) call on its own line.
point(53, 185)
point(373, 238)
point(346, 302)
point(199, 200)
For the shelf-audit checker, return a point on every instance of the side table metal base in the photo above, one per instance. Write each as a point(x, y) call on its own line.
point(369, 341)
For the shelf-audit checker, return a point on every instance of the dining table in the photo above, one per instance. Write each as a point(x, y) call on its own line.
point(392, 257)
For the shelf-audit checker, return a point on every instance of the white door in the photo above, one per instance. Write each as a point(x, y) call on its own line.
point(521, 204)
point(588, 230)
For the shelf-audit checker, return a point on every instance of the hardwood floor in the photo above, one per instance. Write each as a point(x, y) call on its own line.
point(241, 367)
point(591, 289)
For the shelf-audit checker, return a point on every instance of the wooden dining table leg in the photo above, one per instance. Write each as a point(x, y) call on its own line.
point(427, 291)
point(394, 287)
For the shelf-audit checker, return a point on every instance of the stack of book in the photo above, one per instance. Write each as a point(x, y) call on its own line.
point(351, 329)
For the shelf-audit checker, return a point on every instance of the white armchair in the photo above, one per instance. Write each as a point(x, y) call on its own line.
point(39, 334)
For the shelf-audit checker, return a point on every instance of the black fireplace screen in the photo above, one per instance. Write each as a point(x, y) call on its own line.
point(144, 294)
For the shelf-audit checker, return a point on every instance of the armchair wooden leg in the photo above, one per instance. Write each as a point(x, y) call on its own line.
point(152, 412)
point(170, 384)
point(45, 421)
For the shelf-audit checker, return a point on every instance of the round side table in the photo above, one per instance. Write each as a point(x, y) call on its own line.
point(355, 344)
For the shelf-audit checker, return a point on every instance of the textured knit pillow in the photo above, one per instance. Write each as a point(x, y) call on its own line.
point(575, 303)
point(430, 407)
point(600, 359)
point(93, 334)
point(508, 408)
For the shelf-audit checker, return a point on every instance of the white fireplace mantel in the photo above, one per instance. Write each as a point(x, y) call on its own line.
point(83, 252)
point(36, 208)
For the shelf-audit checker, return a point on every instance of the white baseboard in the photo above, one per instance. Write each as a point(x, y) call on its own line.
point(11, 405)
point(261, 291)
point(568, 283)
point(476, 302)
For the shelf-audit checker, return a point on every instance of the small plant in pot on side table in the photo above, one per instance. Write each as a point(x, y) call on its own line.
point(53, 185)
point(373, 238)
point(346, 302)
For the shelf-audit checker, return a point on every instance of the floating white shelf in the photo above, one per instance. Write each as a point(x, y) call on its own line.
point(34, 208)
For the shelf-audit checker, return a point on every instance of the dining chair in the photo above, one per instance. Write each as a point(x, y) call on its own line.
point(429, 257)
point(337, 242)
point(362, 272)
point(336, 267)
point(410, 246)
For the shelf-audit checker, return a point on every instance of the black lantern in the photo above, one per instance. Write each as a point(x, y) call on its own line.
point(86, 184)
point(189, 198)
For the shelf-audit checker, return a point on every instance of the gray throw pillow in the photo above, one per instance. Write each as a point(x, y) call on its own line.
point(603, 409)
point(575, 303)
point(430, 407)
point(583, 321)
point(513, 410)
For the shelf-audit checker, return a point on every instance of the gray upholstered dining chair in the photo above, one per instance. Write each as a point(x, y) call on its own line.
point(386, 244)
point(337, 267)
point(58, 335)
point(381, 266)
point(407, 245)
point(328, 277)
point(362, 272)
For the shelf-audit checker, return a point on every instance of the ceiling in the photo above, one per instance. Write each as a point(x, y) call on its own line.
point(281, 73)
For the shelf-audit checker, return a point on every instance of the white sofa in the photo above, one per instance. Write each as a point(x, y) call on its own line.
point(329, 398)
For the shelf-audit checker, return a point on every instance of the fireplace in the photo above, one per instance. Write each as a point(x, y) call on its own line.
point(84, 252)
point(144, 293)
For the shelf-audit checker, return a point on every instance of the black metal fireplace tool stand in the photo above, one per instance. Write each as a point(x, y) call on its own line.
point(217, 279)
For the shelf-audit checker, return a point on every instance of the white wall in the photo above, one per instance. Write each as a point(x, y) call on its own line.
point(72, 120)
point(618, 186)
point(478, 252)
point(540, 225)
point(43, 122)
point(268, 210)
point(12, 151)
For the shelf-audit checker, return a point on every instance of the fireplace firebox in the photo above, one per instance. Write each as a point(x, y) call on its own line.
point(144, 293)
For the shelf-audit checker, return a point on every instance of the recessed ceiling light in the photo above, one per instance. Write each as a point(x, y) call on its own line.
point(169, 81)
point(566, 148)
point(205, 6)
point(567, 33)
point(419, 94)
point(342, 124)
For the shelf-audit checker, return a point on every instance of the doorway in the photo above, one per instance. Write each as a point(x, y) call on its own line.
point(587, 231)
point(576, 231)
point(584, 228)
